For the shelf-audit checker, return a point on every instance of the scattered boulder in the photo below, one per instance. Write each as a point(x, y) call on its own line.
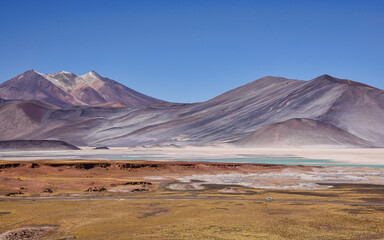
point(96, 189)
point(34, 165)
point(142, 183)
point(139, 190)
point(48, 190)
point(137, 183)
point(14, 193)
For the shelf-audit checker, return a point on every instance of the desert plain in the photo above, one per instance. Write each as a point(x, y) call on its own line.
point(172, 193)
point(192, 120)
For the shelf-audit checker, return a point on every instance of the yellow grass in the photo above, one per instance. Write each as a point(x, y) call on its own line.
point(198, 219)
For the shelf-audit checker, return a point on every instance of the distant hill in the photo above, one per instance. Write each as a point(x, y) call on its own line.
point(65, 89)
point(301, 132)
point(351, 113)
point(24, 145)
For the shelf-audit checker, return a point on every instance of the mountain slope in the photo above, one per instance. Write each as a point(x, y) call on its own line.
point(240, 111)
point(359, 110)
point(269, 100)
point(301, 132)
point(66, 89)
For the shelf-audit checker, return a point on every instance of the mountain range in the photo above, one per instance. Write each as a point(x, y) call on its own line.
point(269, 112)
point(65, 89)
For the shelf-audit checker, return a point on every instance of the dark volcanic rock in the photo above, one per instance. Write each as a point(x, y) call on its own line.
point(101, 148)
point(21, 145)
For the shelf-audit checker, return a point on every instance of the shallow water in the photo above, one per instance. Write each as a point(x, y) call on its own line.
point(286, 161)
point(241, 158)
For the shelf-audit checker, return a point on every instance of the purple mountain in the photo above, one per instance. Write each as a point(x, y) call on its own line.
point(65, 89)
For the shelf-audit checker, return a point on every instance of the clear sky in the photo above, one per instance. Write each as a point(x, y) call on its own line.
point(188, 51)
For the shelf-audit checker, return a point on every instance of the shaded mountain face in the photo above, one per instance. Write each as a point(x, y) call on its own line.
point(301, 132)
point(20, 118)
point(349, 106)
point(65, 89)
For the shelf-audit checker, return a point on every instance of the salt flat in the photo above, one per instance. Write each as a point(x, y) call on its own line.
point(353, 156)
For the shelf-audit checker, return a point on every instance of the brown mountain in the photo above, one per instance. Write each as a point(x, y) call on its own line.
point(351, 107)
point(66, 89)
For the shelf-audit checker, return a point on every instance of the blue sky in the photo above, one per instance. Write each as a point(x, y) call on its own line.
point(188, 51)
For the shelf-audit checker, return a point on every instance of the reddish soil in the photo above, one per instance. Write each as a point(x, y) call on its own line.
point(45, 178)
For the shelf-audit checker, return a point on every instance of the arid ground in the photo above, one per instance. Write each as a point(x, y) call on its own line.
point(103, 199)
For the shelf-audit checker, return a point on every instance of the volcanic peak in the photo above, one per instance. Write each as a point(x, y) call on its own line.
point(327, 78)
point(68, 89)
